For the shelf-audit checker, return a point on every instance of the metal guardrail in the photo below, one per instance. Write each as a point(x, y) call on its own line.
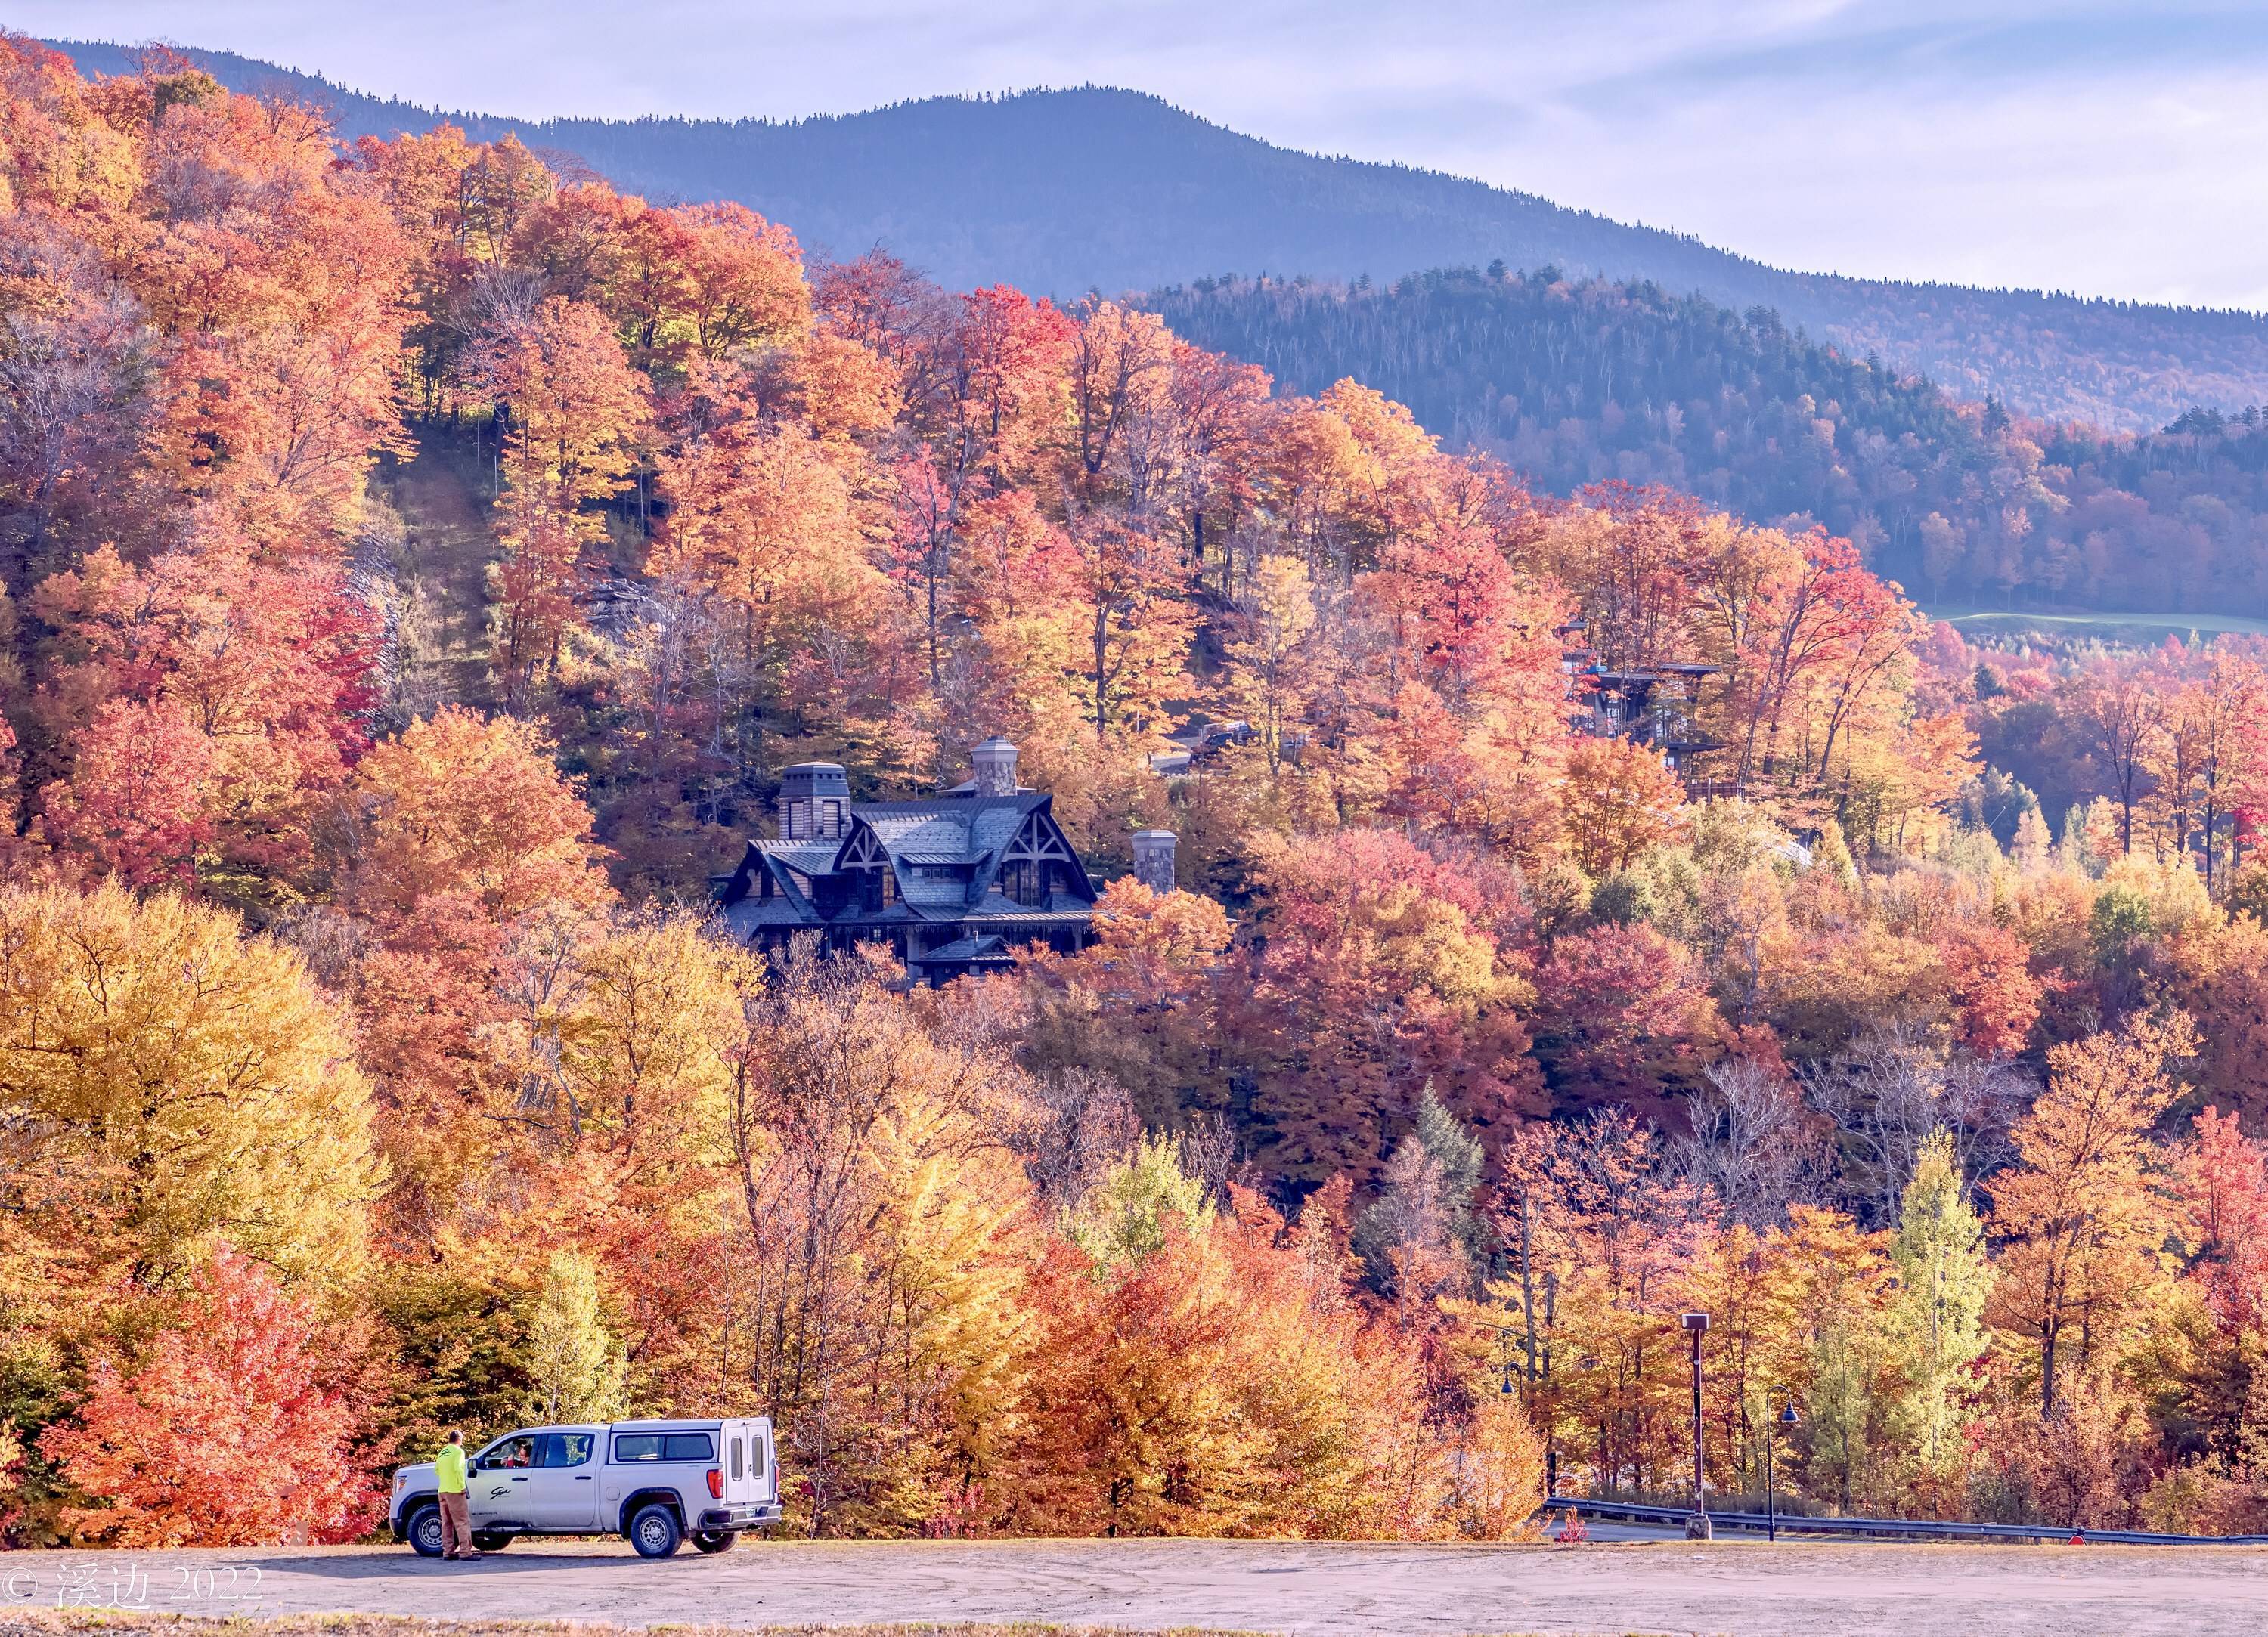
point(1893, 1528)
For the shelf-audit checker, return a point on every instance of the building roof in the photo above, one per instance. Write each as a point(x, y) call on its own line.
point(945, 854)
point(989, 949)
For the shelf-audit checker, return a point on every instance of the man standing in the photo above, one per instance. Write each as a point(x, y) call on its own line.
point(456, 1510)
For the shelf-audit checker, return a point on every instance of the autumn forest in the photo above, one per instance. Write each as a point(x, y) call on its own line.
point(419, 559)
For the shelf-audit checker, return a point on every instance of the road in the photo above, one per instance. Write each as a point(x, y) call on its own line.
point(1804, 1589)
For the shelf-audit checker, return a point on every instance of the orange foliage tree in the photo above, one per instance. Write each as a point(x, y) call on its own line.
point(241, 1379)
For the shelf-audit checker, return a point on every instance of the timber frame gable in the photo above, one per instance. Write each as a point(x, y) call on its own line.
point(953, 884)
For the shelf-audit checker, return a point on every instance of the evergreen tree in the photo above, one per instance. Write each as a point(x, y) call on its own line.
point(1938, 1319)
point(1126, 1218)
point(1461, 1157)
point(1425, 1214)
point(572, 1360)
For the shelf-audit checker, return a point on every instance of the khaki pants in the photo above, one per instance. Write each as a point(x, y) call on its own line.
point(457, 1527)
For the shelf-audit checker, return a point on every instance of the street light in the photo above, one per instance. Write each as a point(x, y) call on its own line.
point(1788, 1419)
point(1697, 1522)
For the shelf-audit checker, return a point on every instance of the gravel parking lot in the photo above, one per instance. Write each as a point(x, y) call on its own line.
point(1751, 1589)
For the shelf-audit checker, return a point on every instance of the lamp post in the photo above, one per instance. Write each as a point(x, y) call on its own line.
point(1697, 1522)
point(1787, 1418)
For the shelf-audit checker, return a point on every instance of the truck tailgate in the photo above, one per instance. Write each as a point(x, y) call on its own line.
point(747, 1460)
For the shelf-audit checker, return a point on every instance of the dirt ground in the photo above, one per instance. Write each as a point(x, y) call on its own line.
point(1792, 1590)
point(81, 1623)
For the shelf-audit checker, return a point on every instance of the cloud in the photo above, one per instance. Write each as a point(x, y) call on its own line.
point(2064, 143)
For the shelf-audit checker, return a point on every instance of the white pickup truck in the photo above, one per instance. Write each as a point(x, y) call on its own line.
point(654, 1483)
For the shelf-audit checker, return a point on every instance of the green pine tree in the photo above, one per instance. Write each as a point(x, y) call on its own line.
point(576, 1365)
point(1460, 1158)
point(1124, 1218)
point(1938, 1319)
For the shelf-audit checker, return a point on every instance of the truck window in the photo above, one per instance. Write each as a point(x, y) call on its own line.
point(566, 1448)
point(515, 1451)
point(736, 1459)
point(665, 1447)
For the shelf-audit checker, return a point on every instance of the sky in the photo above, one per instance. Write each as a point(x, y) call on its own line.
point(2061, 145)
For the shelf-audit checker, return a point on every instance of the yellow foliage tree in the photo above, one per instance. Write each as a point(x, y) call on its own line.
point(166, 1081)
point(2082, 1210)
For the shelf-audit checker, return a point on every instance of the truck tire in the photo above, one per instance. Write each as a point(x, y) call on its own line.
point(423, 1528)
point(653, 1531)
point(714, 1540)
point(484, 1541)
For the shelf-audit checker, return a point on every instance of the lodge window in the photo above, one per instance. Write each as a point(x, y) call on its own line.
point(1020, 881)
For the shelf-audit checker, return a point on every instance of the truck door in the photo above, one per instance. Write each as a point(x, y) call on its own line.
point(563, 1491)
point(497, 1492)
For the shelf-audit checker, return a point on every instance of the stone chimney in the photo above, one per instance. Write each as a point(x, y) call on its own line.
point(995, 761)
point(1153, 859)
point(814, 802)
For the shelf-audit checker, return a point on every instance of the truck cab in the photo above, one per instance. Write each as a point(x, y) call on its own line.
point(656, 1483)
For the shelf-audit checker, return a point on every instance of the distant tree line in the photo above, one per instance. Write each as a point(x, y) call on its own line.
point(1577, 381)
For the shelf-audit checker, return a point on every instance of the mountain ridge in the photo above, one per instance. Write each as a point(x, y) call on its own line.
point(1061, 191)
point(1579, 382)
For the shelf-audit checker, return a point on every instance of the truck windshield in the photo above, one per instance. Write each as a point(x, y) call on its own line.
point(665, 1447)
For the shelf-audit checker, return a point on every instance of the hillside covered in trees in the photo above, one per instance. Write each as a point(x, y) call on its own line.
point(1575, 381)
point(420, 566)
point(1063, 192)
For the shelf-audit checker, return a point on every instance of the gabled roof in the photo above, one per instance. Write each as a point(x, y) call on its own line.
point(956, 832)
point(989, 949)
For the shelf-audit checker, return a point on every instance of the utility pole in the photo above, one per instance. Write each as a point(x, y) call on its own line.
point(1697, 1522)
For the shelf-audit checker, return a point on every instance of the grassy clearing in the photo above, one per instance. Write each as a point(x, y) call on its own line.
point(2109, 625)
point(442, 499)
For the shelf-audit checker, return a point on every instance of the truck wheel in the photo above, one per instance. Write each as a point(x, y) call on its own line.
point(484, 1541)
point(714, 1540)
point(654, 1533)
point(425, 1531)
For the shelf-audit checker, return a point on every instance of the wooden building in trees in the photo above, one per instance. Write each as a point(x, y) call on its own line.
point(1652, 704)
point(954, 884)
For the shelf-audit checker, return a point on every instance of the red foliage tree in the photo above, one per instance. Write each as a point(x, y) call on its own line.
point(1990, 981)
point(230, 1428)
point(1622, 1015)
point(1383, 967)
point(139, 803)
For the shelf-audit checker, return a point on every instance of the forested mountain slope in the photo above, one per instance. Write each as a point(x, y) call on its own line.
point(1061, 191)
point(418, 568)
point(1576, 382)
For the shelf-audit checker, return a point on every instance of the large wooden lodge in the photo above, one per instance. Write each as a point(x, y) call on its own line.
point(954, 883)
